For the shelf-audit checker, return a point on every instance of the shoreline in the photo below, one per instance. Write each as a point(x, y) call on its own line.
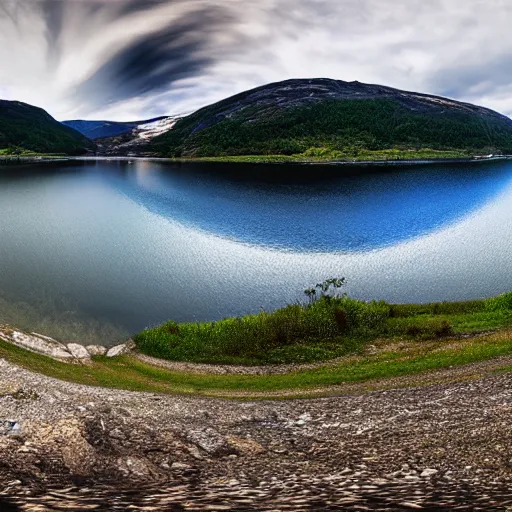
point(290, 161)
point(258, 160)
point(24, 160)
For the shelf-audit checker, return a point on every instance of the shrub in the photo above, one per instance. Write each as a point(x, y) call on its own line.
point(341, 319)
point(500, 303)
point(444, 330)
point(427, 329)
point(367, 316)
point(172, 328)
point(414, 331)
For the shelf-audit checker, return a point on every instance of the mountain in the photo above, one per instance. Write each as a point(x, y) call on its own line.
point(323, 116)
point(31, 128)
point(101, 129)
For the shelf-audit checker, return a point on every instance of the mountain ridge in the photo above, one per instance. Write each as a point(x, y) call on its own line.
point(24, 127)
point(298, 116)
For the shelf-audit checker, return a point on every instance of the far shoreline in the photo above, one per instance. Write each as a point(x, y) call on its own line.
point(256, 160)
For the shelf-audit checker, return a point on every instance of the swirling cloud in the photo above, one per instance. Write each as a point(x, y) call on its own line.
point(127, 59)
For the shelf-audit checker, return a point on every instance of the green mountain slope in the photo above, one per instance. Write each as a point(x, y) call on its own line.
point(30, 128)
point(321, 116)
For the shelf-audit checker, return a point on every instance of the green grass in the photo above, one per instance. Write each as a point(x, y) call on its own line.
point(131, 374)
point(324, 329)
point(318, 331)
point(330, 155)
point(410, 340)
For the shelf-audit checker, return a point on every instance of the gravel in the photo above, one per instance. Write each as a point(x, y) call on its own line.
point(439, 447)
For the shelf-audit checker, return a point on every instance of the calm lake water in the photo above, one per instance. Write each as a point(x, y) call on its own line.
point(94, 251)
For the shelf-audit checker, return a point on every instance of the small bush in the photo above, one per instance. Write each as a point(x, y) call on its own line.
point(341, 319)
point(444, 330)
point(366, 316)
point(414, 331)
point(172, 328)
point(426, 329)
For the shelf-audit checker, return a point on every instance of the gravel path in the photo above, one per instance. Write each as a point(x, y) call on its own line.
point(280, 369)
point(440, 447)
point(224, 369)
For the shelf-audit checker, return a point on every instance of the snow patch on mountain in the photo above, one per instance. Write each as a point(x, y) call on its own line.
point(150, 130)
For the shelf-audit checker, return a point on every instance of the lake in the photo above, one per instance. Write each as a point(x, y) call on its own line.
point(93, 251)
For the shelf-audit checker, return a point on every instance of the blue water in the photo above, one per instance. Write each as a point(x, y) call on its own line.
point(358, 212)
point(94, 251)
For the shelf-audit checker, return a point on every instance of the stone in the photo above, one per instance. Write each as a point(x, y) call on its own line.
point(371, 350)
point(411, 505)
point(96, 350)
point(244, 445)
point(34, 343)
point(428, 472)
point(179, 466)
point(78, 351)
point(211, 441)
point(135, 467)
point(131, 345)
point(118, 350)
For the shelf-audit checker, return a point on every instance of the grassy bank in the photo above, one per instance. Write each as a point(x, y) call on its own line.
point(328, 154)
point(376, 344)
point(8, 157)
point(329, 326)
point(408, 360)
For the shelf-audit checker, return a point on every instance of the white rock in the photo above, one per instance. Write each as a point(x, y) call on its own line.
point(179, 465)
point(118, 350)
point(428, 472)
point(96, 350)
point(78, 351)
point(46, 346)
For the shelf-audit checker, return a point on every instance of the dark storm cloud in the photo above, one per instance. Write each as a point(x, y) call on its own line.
point(141, 58)
point(53, 12)
point(136, 6)
point(155, 61)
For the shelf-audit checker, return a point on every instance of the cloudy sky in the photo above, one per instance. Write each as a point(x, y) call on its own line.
point(133, 59)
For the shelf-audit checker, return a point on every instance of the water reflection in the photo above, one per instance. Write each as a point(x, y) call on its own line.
point(313, 208)
point(90, 251)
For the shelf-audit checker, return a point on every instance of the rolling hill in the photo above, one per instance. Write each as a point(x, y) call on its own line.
point(337, 119)
point(24, 127)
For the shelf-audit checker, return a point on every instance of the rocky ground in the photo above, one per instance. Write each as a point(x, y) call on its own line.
point(442, 447)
